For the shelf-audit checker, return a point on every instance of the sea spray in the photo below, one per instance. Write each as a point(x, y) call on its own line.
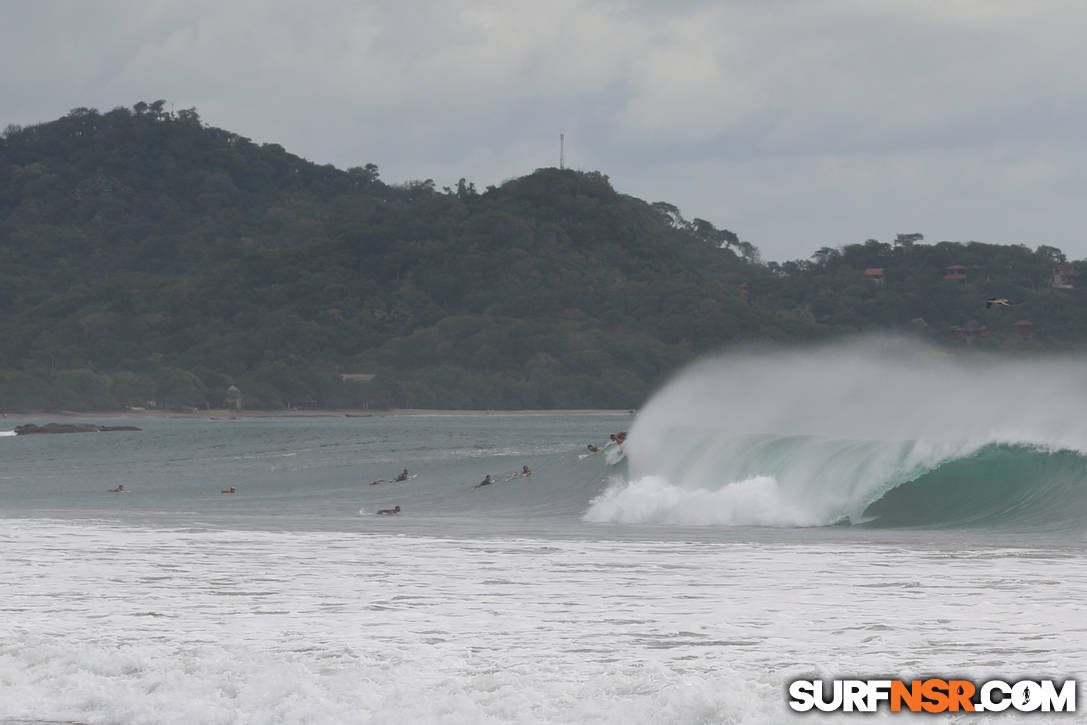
point(835, 428)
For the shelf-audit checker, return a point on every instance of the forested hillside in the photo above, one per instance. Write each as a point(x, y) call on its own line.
point(145, 256)
point(940, 292)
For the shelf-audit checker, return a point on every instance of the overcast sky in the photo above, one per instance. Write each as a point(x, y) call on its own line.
point(794, 124)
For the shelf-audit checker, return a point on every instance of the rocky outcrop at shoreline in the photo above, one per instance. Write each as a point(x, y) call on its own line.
point(31, 428)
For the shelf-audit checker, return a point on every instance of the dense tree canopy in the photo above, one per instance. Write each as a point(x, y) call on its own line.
point(145, 256)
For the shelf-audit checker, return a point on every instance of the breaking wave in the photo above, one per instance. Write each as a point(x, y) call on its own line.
point(880, 432)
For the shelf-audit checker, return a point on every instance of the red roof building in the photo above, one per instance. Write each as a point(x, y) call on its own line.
point(956, 272)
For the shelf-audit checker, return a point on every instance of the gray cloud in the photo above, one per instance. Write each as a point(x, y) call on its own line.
point(795, 124)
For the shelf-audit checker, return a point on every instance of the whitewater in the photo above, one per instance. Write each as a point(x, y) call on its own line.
point(824, 436)
point(874, 509)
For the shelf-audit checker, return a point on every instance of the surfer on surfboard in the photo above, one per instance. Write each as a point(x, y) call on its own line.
point(389, 512)
point(402, 476)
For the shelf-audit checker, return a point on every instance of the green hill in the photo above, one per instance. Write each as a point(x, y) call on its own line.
point(939, 292)
point(145, 256)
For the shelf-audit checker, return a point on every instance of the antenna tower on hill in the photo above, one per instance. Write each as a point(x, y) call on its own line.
point(562, 151)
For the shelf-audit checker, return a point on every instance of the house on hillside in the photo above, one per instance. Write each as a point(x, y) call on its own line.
point(959, 272)
point(1064, 276)
point(955, 272)
point(874, 273)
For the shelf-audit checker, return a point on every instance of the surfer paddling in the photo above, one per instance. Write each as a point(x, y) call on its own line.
point(593, 449)
point(389, 512)
point(120, 489)
point(402, 476)
point(485, 482)
point(525, 472)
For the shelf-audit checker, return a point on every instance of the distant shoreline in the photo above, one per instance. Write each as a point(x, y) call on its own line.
point(221, 414)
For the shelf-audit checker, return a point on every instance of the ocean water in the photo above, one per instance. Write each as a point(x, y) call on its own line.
point(873, 510)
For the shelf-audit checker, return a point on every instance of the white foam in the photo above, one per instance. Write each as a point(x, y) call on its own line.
point(614, 455)
point(108, 624)
point(652, 500)
point(834, 427)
